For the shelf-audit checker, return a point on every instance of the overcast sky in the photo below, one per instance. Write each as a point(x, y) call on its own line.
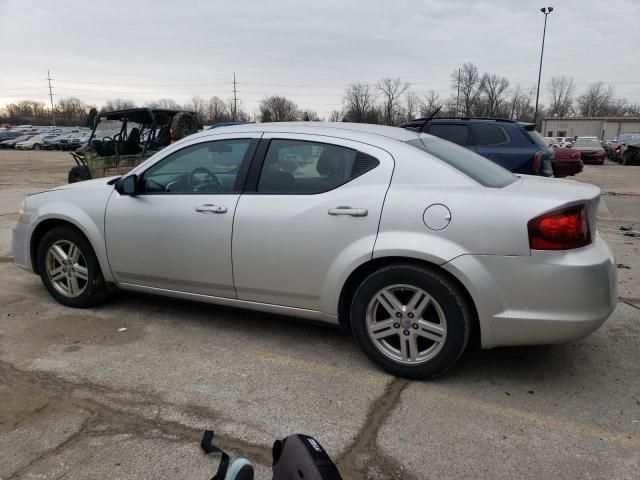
point(307, 50)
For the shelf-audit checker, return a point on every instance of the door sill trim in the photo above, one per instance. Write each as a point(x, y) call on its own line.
point(233, 302)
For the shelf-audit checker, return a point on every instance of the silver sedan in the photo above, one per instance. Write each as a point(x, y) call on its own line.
point(414, 244)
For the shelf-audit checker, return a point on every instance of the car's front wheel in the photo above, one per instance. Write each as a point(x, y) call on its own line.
point(36, 146)
point(69, 268)
point(412, 321)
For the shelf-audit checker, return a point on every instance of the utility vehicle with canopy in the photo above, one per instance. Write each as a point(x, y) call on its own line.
point(122, 139)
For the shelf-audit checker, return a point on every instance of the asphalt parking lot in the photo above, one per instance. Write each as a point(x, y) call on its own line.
point(125, 390)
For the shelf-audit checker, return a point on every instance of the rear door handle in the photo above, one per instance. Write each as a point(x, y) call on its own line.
point(210, 208)
point(352, 212)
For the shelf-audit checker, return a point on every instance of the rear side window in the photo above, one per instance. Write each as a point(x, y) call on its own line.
point(479, 168)
point(302, 167)
point(536, 138)
point(454, 133)
point(488, 135)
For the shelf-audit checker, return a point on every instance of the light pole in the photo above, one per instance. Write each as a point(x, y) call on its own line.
point(546, 11)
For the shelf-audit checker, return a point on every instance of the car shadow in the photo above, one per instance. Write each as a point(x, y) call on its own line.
point(495, 366)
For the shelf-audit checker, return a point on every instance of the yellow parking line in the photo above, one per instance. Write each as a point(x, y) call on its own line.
point(584, 429)
point(463, 402)
point(323, 369)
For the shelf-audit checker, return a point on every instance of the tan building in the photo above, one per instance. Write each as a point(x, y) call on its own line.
point(601, 127)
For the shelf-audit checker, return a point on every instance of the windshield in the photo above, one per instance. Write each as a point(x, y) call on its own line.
point(108, 128)
point(480, 169)
point(587, 142)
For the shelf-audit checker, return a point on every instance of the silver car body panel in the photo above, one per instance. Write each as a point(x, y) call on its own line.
point(288, 249)
point(285, 254)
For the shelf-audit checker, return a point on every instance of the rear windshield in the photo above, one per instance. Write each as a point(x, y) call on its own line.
point(480, 169)
point(587, 142)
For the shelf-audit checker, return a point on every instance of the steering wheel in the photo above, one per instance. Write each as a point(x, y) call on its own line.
point(210, 184)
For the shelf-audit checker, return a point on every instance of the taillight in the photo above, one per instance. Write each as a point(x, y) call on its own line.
point(576, 155)
point(537, 161)
point(562, 229)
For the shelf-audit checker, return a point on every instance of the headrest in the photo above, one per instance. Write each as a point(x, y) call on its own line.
point(329, 162)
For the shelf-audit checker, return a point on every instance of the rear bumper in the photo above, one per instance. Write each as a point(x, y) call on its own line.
point(548, 297)
point(564, 168)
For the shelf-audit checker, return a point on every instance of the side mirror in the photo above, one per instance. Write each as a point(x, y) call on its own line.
point(128, 185)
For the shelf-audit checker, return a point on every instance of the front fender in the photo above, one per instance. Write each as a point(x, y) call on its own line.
point(88, 218)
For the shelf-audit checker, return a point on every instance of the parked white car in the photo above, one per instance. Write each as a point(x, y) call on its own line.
point(35, 142)
point(412, 242)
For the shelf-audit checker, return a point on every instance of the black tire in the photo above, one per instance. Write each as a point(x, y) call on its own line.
point(79, 173)
point(625, 158)
point(95, 290)
point(36, 146)
point(183, 124)
point(444, 291)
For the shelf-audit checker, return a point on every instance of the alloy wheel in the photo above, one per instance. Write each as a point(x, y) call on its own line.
point(406, 324)
point(67, 268)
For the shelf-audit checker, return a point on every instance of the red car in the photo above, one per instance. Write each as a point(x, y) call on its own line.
point(566, 161)
point(590, 150)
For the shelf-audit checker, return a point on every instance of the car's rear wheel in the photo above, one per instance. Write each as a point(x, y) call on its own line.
point(412, 321)
point(69, 268)
point(36, 146)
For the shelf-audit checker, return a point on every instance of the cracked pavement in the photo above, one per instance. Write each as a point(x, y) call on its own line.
point(79, 398)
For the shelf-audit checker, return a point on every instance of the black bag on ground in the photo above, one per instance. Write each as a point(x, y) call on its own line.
point(300, 456)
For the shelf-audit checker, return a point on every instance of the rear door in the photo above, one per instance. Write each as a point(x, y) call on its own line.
point(458, 133)
point(311, 207)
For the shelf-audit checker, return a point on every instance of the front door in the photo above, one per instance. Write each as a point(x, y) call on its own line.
point(175, 233)
point(309, 210)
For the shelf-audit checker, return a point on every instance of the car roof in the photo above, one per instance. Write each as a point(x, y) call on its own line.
point(339, 129)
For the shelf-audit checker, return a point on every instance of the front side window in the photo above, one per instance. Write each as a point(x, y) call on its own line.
point(454, 133)
point(302, 167)
point(486, 135)
point(209, 167)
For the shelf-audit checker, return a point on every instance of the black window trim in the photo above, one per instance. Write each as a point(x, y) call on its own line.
point(253, 177)
point(239, 183)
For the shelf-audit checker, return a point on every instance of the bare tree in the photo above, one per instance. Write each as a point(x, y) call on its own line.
point(430, 103)
point(278, 108)
point(412, 102)
point(308, 115)
point(468, 79)
point(217, 111)
point(27, 112)
point(71, 111)
point(359, 101)
point(336, 116)
point(168, 103)
point(198, 106)
point(596, 101)
point(391, 89)
point(560, 90)
point(494, 88)
point(118, 104)
point(520, 104)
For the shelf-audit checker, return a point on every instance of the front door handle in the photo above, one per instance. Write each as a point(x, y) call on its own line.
point(210, 208)
point(352, 212)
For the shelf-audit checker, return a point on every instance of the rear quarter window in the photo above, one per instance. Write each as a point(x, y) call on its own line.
point(479, 168)
point(536, 138)
point(486, 135)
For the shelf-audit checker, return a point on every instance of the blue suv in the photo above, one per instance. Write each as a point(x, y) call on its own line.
point(516, 146)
